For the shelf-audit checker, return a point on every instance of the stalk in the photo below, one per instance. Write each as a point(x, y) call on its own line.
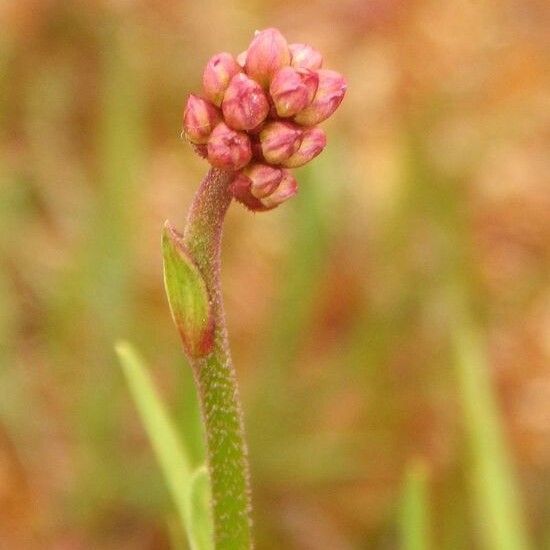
point(215, 375)
point(247, 138)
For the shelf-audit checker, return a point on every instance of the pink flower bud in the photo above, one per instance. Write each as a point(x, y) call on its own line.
point(264, 179)
point(199, 119)
point(240, 188)
point(279, 141)
point(305, 57)
point(255, 182)
point(245, 105)
point(228, 149)
point(267, 53)
point(241, 59)
point(286, 189)
point(201, 149)
point(218, 73)
point(313, 142)
point(330, 92)
point(292, 90)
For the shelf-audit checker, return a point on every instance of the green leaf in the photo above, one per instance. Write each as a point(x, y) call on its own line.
point(199, 498)
point(415, 510)
point(499, 506)
point(187, 295)
point(190, 490)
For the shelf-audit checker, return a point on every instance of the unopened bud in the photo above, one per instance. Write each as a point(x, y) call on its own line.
point(255, 182)
point(241, 59)
point(292, 90)
point(201, 149)
point(228, 149)
point(305, 57)
point(264, 179)
point(330, 92)
point(240, 189)
point(216, 77)
point(199, 119)
point(267, 53)
point(286, 189)
point(279, 141)
point(313, 142)
point(245, 105)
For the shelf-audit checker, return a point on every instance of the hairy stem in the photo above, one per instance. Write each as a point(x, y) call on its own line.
point(215, 375)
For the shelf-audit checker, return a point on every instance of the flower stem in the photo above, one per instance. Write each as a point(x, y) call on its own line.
point(215, 374)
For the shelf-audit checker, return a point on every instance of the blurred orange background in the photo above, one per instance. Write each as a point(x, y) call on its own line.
point(433, 191)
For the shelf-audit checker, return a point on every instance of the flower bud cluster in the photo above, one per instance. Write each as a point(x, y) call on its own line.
point(259, 115)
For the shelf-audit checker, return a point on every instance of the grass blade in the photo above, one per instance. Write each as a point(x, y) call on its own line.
point(498, 504)
point(415, 511)
point(184, 485)
point(498, 511)
point(199, 498)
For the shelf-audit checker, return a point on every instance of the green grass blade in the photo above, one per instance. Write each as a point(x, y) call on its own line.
point(498, 511)
point(415, 519)
point(199, 498)
point(498, 503)
point(182, 483)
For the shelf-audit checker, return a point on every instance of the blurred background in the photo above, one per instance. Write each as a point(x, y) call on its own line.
point(390, 325)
